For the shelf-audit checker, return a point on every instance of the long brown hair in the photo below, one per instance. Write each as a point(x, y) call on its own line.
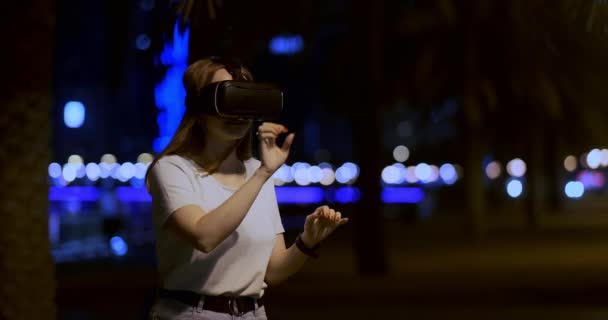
point(189, 138)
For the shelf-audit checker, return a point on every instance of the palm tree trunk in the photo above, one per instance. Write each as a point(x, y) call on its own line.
point(26, 266)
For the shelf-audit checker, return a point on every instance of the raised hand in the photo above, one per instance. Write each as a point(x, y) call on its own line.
point(320, 224)
point(273, 156)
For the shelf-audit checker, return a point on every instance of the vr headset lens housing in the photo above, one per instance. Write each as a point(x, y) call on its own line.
point(239, 100)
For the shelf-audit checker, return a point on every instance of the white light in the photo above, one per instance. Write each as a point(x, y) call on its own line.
point(493, 170)
point(105, 170)
point(434, 174)
point(574, 189)
point(284, 174)
point(516, 168)
point(75, 159)
point(354, 171)
point(315, 174)
point(115, 171)
point(325, 165)
point(423, 172)
point(126, 171)
point(402, 172)
point(54, 170)
point(73, 114)
point(108, 158)
point(343, 174)
point(448, 173)
point(328, 177)
point(80, 170)
point(301, 176)
point(140, 170)
point(594, 158)
point(401, 153)
point(69, 172)
point(410, 175)
point(570, 163)
point(604, 158)
point(390, 174)
point(145, 158)
point(93, 171)
point(514, 188)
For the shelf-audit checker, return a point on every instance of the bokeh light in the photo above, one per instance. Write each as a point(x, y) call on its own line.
point(570, 163)
point(55, 170)
point(448, 173)
point(516, 168)
point(514, 188)
point(594, 158)
point(574, 189)
point(401, 153)
point(493, 170)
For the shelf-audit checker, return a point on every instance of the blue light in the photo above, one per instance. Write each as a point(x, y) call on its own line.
point(514, 188)
point(286, 45)
point(73, 114)
point(69, 193)
point(55, 170)
point(169, 94)
point(448, 173)
point(142, 42)
point(299, 195)
point(347, 195)
point(119, 246)
point(133, 194)
point(402, 195)
point(574, 189)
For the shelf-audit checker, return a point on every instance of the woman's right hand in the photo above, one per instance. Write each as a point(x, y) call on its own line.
point(273, 156)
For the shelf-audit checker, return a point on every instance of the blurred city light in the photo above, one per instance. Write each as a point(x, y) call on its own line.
point(401, 153)
point(328, 177)
point(570, 163)
point(143, 42)
point(169, 93)
point(286, 44)
point(516, 168)
point(410, 175)
point(514, 188)
point(594, 157)
point(315, 174)
point(423, 172)
point(604, 158)
point(591, 179)
point(74, 114)
point(402, 195)
point(93, 171)
point(448, 173)
point(574, 189)
point(75, 159)
point(119, 246)
point(108, 158)
point(390, 174)
point(145, 158)
point(493, 170)
point(55, 170)
point(69, 172)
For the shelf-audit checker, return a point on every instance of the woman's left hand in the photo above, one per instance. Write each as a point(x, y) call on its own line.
point(320, 224)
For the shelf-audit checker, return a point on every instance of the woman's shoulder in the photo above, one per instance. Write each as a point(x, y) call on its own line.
point(252, 163)
point(177, 161)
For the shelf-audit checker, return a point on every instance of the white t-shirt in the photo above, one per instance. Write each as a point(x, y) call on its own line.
point(238, 265)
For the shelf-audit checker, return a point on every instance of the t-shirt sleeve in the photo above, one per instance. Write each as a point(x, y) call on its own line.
point(171, 188)
point(277, 224)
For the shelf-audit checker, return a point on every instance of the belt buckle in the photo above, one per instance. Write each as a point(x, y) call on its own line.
point(234, 307)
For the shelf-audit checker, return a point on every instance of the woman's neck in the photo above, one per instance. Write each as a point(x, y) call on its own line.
point(216, 149)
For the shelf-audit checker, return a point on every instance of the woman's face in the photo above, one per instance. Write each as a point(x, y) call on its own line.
point(225, 129)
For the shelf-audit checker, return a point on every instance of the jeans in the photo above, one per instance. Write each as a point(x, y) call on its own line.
point(169, 309)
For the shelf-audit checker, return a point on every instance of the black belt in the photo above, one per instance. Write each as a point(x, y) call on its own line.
point(232, 305)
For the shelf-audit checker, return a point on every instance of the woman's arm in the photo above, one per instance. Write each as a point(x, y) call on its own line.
point(205, 231)
point(283, 262)
point(286, 262)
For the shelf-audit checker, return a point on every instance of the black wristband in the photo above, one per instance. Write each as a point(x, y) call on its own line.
point(311, 252)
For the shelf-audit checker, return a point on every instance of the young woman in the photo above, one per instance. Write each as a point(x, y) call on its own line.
point(219, 236)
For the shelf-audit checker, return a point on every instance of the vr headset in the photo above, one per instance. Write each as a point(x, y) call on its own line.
point(238, 99)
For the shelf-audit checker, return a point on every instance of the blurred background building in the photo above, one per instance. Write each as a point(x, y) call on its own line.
point(465, 139)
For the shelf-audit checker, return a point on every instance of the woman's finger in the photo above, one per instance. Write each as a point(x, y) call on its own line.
point(288, 141)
